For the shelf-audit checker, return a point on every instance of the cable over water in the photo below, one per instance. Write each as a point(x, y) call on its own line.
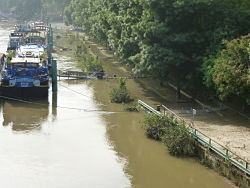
point(41, 104)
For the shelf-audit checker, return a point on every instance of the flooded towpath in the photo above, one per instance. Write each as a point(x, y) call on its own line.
point(78, 139)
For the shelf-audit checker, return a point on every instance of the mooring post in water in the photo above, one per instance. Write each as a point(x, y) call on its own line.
point(54, 104)
point(50, 44)
point(54, 75)
point(51, 35)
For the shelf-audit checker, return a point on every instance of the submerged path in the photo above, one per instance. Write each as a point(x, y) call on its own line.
point(226, 127)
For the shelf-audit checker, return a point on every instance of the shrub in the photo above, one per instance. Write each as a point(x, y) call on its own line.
point(156, 126)
point(173, 134)
point(131, 108)
point(179, 141)
point(120, 94)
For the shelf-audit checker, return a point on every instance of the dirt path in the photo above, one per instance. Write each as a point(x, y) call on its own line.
point(226, 127)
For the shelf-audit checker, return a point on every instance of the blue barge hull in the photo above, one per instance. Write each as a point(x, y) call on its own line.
point(18, 92)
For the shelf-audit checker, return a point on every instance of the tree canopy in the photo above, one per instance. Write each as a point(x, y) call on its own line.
point(229, 70)
point(167, 39)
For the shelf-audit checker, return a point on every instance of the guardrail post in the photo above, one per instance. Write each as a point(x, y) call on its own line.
point(194, 131)
point(210, 141)
point(227, 152)
point(246, 165)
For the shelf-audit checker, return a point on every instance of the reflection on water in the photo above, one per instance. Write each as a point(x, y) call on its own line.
point(66, 146)
point(24, 116)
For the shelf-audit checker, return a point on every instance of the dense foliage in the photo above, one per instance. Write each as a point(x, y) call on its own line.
point(173, 134)
point(167, 39)
point(229, 70)
point(121, 93)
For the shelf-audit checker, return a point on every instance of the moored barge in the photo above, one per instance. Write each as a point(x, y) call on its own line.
point(25, 73)
point(25, 77)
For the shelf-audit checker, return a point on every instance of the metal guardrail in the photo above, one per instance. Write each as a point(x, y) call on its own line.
point(219, 149)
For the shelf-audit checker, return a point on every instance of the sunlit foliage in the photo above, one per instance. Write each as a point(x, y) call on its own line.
point(167, 39)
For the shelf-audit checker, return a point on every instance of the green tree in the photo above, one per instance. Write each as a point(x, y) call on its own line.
point(229, 70)
point(167, 39)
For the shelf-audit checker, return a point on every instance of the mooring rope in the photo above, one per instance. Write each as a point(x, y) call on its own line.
point(77, 92)
point(41, 104)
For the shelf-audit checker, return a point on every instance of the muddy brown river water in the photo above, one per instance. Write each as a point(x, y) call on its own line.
point(86, 142)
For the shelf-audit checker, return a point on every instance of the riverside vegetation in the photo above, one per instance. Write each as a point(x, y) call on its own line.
point(179, 41)
point(172, 133)
point(121, 93)
point(88, 61)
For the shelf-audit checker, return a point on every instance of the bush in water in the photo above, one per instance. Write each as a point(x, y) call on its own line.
point(179, 141)
point(120, 94)
point(131, 108)
point(156, 126)
point(173, 134)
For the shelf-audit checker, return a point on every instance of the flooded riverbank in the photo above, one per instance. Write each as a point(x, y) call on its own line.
point(79, 139)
